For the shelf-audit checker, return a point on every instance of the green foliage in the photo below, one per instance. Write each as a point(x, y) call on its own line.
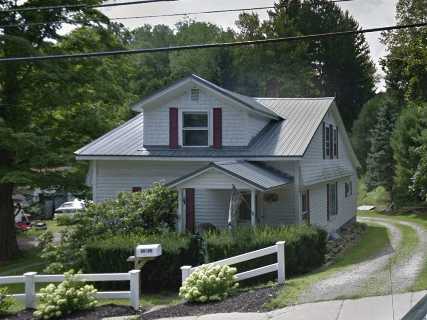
point(209, 283)
point(58, 255)
point(110, 254)
point(69, 296)
point(407, 144)
point(151, 210)
point(379, 163)
point(361, 132)
point(5, 302)
point(376, 197)
point(65, 220)
point(305, 246)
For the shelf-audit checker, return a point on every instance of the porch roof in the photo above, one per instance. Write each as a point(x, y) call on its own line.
point(253, 174)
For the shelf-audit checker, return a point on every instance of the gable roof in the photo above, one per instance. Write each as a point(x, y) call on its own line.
point(260, 177)
point(244, 101)
point(279, 138)
point(286, 136)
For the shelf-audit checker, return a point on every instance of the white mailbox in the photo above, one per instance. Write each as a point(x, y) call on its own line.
point(148, 250)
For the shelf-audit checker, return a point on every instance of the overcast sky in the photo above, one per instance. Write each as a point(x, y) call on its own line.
point(369, 13)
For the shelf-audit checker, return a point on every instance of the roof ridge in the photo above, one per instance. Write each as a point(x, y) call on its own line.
point(296, 98)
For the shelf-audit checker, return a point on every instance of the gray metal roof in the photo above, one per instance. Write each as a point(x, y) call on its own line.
point(288, 137)
point(259, 176)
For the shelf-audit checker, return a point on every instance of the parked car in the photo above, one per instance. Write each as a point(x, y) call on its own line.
point(69, 208)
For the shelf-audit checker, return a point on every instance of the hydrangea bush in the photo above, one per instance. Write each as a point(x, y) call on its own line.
point(69, 296)
point(209, 283)
point(5, 301)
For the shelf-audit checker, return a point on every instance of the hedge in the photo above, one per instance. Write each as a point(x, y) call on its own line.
point(110, 254)
point(305, 247)
point(305, 251)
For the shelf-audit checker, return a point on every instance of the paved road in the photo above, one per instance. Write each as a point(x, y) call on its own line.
point(372, 308)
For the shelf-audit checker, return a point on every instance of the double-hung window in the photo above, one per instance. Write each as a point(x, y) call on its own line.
point(305, 206)
point(195, 129)
point(330, 141)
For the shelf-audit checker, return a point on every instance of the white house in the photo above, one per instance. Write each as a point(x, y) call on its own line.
point(290, 157)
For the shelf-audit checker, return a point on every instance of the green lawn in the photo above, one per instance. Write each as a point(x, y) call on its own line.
point(373, 241)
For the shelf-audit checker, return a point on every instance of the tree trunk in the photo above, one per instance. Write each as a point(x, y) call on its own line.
point(8, 243)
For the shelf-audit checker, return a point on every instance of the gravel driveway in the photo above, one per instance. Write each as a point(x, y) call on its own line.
point(372, 277)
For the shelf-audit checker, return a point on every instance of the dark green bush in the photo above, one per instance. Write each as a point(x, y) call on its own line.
point(304, 251)
point(109, 255)
point(65, 220)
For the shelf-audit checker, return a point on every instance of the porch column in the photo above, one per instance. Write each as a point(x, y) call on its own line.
point(181, 222)
point(253, 207)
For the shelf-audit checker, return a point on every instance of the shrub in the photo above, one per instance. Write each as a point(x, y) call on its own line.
point(151, 211)
point(209, 283)
point(69, 296)
point(305, 246)
point(110, 254)
point(5, 301)
point(64, 220)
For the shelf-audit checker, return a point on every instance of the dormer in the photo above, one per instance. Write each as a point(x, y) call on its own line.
point(195, 113)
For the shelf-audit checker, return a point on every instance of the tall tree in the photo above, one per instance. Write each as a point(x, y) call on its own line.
point(34, 113)
point(340, 66)
point(379, 163)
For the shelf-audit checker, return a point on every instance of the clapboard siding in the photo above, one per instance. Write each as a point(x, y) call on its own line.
point(346, 206)
point(282, 211)
point(238, 127)
point(212, 207)
point(113, 177)
point(314, 168)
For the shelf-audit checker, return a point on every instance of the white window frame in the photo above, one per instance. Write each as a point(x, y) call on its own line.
point(307, 195)
point(181, 127)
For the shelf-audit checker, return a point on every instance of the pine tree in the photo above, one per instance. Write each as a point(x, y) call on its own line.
point(380, 163)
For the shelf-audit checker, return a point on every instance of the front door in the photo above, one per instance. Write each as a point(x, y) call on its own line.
point(244, 217)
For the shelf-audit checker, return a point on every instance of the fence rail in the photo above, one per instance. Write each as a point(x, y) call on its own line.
point(278, 248)
point(30, 279)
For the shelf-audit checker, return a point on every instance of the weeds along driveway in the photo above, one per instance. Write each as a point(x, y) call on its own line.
point(393, 269)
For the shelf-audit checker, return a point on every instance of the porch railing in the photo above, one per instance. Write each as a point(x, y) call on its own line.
point(30, 279)
point(279, 266)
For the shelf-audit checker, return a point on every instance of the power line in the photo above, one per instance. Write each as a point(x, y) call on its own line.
point(207, 45)
point(156, 16)
point(147, 16)
point(81, 6)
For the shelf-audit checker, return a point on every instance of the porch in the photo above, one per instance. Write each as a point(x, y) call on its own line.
point(204, 196)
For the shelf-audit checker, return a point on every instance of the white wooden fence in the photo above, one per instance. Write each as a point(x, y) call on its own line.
point(279, 266)
point(31, 278)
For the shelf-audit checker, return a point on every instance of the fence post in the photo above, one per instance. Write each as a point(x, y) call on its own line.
point(30, 290)
point(185, 272)
point(134, 288)
point(280, 262)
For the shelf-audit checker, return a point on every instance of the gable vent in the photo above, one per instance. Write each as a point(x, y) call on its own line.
point(194, 94)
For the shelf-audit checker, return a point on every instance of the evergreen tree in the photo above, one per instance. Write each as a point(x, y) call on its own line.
point(379, 163)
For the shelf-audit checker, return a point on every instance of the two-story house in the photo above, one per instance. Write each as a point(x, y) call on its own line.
point(290, 157)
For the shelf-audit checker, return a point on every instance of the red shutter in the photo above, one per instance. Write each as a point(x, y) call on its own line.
point(173, 128)
point(217, 128)
point(189, 210)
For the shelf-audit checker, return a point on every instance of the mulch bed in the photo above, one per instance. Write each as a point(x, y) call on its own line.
point(108, 310)
point(248, 301)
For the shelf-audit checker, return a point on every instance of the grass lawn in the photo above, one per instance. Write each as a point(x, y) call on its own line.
point(373, 241)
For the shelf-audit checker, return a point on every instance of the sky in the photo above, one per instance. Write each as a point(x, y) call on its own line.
point(369, 13)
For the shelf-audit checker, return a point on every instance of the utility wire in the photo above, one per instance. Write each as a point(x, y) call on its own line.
point(81, 6)
point(208, 45)
point(146, 17)
point(155, 16)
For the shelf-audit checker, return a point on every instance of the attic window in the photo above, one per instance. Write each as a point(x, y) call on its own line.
point(194, 94)
point(195, 129)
